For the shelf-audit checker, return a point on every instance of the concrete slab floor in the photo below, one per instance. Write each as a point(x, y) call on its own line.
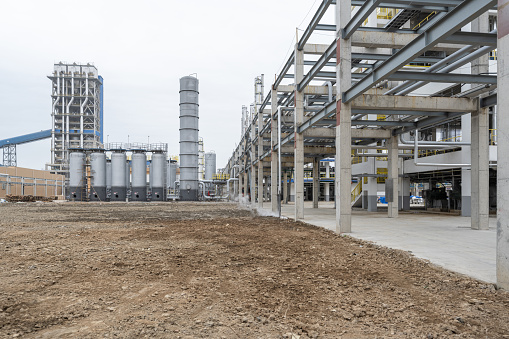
point(447, 241)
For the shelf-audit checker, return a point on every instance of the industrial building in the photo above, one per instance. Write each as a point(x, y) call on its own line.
point(403, 99)
point(77, 112)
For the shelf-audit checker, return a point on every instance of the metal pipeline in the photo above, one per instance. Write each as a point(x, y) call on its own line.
point(68, 111)
point(432, 143)
point(416, 154)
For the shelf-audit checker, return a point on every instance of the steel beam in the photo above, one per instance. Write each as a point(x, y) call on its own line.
point(442, 77)
point(314, 22)
point(321, 63)
point(362, 14)
point(457, 18)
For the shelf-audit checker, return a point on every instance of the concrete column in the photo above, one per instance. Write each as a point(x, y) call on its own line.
point(252, 182)
point(299, 137)
point(273, 155)
point(245, 185)
point(404, 196)
point(372, 194)
point(260, 162)
point(285, 187)
point(480, 169)
point(392, 177)
point(343, 123)
point(466, 178)
point(316, 182)
point(503, 147)
point(326, 185)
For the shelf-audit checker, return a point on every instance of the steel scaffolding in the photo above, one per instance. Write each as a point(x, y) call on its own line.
point(77, 113)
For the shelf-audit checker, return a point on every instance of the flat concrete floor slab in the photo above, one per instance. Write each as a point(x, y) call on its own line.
point(445, 240)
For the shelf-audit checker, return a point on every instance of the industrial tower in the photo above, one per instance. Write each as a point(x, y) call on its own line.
point(77, 112)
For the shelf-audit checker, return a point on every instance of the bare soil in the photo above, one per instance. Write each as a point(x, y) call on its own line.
point(212, 270)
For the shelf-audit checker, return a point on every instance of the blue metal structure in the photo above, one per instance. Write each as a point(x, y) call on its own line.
point(24, 139)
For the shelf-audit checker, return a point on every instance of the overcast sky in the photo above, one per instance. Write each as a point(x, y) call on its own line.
point(142, 48)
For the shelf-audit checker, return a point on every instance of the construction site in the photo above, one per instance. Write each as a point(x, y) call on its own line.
point(364, 198)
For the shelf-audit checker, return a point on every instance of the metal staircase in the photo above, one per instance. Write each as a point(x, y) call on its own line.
point(400, 19)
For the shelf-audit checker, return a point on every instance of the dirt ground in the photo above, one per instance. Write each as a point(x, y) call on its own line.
point(211, 270)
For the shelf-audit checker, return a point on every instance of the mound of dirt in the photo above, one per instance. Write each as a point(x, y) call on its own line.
point(212, 270)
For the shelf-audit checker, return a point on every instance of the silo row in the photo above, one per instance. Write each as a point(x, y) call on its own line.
point(113, 176)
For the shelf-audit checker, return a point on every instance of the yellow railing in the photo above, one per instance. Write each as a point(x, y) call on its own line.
point(426, 19)
point(493, 55)
point(386, 13)
point(381, 180)
point(357, 191)
point(220, 176)
point(493, 137)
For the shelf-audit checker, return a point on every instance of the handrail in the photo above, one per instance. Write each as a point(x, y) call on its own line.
point(356, 191)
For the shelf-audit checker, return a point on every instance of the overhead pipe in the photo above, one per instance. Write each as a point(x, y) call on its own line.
point(432, 143)
point(82, 108)
point(416, 154)
point(69, 111)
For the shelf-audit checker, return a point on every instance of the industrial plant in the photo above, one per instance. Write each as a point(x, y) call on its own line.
point(385, 125)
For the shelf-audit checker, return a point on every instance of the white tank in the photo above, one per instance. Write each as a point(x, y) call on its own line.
point(98, 176)
point(210, 165)
point(77, 176)
point(139, 177)
point(118, 177)
point(158, 176)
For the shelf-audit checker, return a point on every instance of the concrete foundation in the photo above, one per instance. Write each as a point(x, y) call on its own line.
point(185, 195)
point(118, 194)
point(98, 194)
point(158, 194)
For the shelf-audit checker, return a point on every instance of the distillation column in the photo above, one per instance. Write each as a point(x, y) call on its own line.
point(189, 138)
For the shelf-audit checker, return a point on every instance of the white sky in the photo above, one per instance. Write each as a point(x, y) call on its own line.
point(142, 48)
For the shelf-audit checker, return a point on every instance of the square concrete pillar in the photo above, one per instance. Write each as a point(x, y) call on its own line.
point(316, 182)
point(274, 170)
point(480, 170)
point(372, 193)
point(466, 178)
point(261, 189)
point(503, 146)
point(285, 188)
point(343, 122)
point(299, 137)
point(392, 182)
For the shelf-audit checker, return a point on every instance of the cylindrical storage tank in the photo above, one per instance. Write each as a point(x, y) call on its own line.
point(77, 177)
point(128, 175)
point(172, 174)
point(189, 139)
point(97, 176)
point(118, 177)
point(210, 165)
point(139, 177)
point(158, 177)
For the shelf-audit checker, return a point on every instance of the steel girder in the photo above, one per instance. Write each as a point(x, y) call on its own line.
point(465, 12)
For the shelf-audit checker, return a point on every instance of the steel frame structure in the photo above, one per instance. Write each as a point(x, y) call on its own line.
point(331, 108)
point(77, 120)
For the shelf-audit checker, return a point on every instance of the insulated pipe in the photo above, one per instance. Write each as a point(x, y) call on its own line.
point(432, 143)
point(69, 111)
point(228, 185)
point(416, 151)
point(82, 107)
point(329, 85)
